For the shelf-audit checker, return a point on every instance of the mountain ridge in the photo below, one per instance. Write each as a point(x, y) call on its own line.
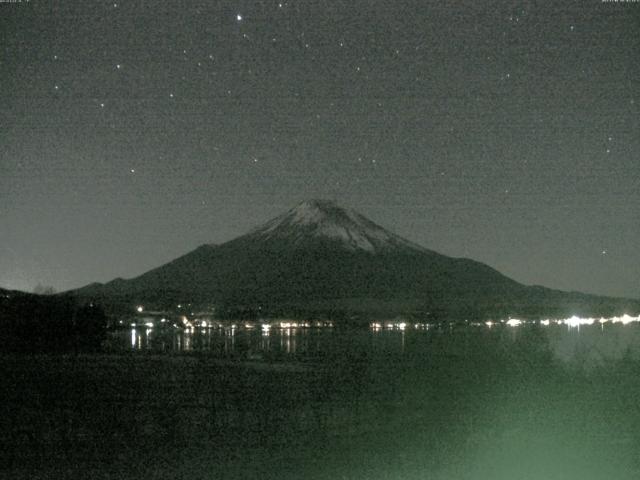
point(320, 257)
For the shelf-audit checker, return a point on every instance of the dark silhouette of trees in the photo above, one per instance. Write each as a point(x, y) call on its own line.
point(37, 323)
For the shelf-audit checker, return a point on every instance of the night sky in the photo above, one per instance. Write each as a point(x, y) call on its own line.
point(507, 132)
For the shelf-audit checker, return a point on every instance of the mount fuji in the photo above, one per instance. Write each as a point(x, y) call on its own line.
point(321, 259)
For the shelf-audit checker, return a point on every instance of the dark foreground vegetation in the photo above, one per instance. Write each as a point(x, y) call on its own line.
point(483, 407)
point(49, 323)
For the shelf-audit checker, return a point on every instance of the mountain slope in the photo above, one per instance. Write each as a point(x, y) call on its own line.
point(320, 257)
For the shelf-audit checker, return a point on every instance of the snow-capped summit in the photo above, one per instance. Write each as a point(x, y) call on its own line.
point(324, 218)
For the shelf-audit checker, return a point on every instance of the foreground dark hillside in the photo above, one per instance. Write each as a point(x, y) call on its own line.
point(46, 323)
point(485, 409)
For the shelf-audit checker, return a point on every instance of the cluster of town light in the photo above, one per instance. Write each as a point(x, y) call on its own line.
point(190, 324)
point(398, 325)
point(571, 322)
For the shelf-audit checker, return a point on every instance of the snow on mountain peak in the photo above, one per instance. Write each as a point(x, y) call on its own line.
point(324, 218)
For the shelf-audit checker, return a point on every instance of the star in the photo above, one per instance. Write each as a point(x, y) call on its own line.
point(118, 66)
point(239, 17)
point(56, 87)
point(133, 170)
point(171, 95)
point(102, 105)
point(604, 252)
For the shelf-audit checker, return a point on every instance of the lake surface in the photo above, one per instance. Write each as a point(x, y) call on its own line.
point(505, 401)
point(581, 345)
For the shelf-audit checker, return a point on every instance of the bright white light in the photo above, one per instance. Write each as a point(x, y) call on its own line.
point(625, 319)
point(576, 321)
point(288, 325)
point(514, 322)
point(545, 322)
point(140, 308)
point(149, 324)
point(239, 17)
point(489, 323)
point(402, 326)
